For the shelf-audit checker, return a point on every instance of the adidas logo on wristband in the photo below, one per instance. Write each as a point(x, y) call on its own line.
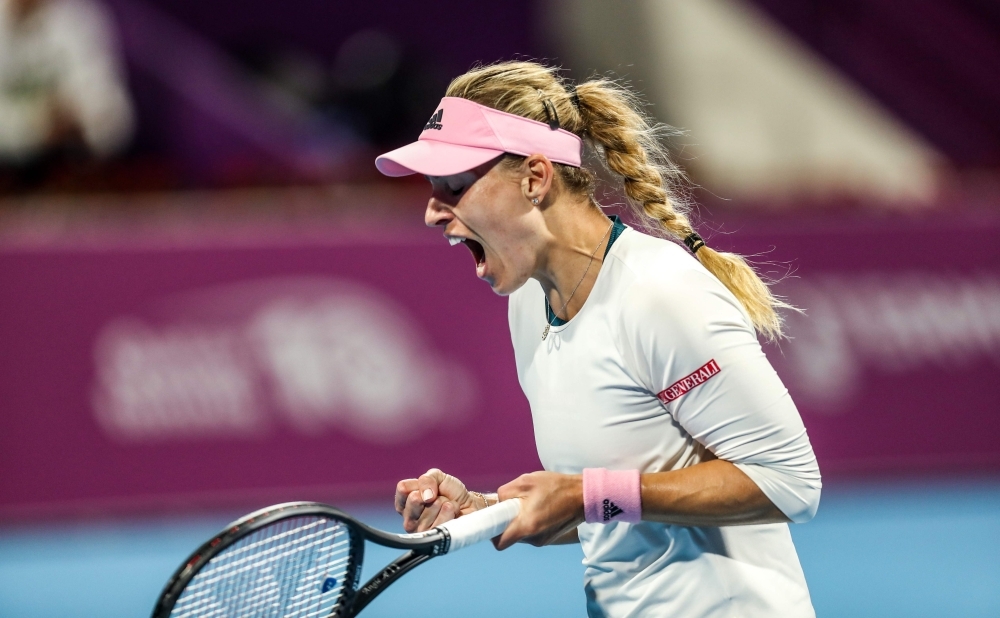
point(611, 510)
point(612, 496)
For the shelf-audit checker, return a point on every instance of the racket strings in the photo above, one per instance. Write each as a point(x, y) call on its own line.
point(274, 554)
point(294, 568)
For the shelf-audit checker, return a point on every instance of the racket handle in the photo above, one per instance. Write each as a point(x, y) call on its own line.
point(481, 525)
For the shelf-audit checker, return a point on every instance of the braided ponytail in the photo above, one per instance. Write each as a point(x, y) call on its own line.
point(654, 186)
point(610, 117)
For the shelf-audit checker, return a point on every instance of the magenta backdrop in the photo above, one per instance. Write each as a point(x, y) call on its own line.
point(158, 376)
point(55, 305)
point(895, 365)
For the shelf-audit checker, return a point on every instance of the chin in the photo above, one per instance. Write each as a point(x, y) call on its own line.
point(503, 287)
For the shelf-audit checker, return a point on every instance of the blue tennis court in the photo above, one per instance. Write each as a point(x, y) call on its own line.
point(902, 549)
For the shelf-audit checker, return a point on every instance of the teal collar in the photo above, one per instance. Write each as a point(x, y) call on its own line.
point(617, 228)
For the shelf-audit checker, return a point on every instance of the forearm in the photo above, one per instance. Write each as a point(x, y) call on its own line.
point(570, 537)
point(712, 493)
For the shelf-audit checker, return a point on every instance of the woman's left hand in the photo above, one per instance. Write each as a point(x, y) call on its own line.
point(551, 506)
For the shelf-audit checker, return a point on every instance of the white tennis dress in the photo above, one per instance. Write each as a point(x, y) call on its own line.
point(659, 370)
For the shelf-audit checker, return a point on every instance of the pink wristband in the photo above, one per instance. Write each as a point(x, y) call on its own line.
point(611, 495)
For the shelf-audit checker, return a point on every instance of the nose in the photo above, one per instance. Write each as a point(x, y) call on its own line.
point(437, 213)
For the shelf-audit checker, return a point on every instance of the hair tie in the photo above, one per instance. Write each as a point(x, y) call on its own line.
point(694, 242)
point(574, 98)
point(550, 114)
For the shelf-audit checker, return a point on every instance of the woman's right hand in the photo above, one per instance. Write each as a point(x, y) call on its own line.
point(433, 499)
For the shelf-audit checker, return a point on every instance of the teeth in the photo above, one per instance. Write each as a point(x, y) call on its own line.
point(454, 240)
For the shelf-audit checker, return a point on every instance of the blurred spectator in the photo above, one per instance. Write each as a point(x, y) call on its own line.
point(63, 97)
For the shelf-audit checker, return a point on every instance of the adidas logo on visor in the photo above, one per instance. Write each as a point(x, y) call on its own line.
point(435, 121)
point(611, 510)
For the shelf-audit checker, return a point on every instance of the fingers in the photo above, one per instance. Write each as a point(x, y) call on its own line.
point(403, 489)
point(418, 516)
point(511, 535)
point(412, 511)
point(428, 515)
point(515, 531)
point(449, 511)
point(442, 510)
point(427, 487)
point(512, 489)
point(526, 528)
point(454, 490)
point(428, 484)
point(552, 504)
point(430, 500)
point(522, 527)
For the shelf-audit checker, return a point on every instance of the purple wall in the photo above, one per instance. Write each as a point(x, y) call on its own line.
point(896, 363)
point(456, 34)
point(141, 372)
point(155, 376)
point(934, 63)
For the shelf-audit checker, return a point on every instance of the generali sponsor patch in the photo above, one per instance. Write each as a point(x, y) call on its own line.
point(685, 384)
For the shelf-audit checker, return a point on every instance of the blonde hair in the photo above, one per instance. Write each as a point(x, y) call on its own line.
point(610, 119)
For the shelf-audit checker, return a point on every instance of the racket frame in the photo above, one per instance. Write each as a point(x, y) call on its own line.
point(422, 546)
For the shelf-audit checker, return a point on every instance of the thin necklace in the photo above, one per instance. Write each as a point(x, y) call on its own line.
point(548, 323)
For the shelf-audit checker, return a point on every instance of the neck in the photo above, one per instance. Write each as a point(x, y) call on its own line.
point(578, 234)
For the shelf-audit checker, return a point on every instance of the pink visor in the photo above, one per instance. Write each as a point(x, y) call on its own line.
point(462, 134)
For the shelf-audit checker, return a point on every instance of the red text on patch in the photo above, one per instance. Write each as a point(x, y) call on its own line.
point(697, 378)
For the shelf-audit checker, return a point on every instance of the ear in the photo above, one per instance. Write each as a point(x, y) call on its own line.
point(538, 176)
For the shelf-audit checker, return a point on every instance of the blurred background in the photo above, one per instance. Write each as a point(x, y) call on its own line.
point(210, 301)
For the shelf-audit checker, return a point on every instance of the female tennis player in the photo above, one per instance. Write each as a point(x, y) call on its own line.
point(672, 451)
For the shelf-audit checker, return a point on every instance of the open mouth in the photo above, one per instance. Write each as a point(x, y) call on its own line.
point(477, 251)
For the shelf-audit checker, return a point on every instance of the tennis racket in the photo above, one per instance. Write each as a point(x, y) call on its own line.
point(303, 559)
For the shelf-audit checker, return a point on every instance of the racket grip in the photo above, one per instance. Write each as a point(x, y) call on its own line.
point(481, 525)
